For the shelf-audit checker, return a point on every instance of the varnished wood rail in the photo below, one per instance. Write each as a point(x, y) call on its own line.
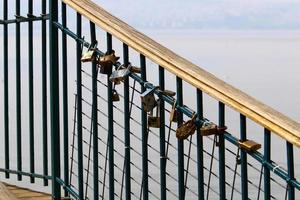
point(11, 192)
point(191, 73)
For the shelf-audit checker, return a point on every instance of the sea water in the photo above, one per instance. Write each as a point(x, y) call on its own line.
point(264, 64)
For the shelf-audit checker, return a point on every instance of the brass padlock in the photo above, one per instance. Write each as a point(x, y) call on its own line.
point(173, 113)
point(107, 61)
point(134, 69)
point(249, 145)
point(115, 95)
point(89, 55)
point(148, 100)
point(186, 129)
point(168, 93)
point(211, 129)
point(120, 74)
point(154, 121)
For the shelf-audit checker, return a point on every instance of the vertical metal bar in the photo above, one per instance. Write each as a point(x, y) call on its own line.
point(144, 135)
point(65, 95)
point(79, 107)
point(244, 175)
point(110, 128)
point(267, 158)
point(54, 99)
point(44, 93)
point(18, 93)
point(95, 117)
point(291, 170)
point(5, 67)
point(127, 126)
point(200, 165)
point(222, 178)
point(162, 137)
point(30, 86)
point(180, 142)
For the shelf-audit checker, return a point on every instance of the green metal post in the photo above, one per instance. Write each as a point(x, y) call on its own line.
point(44, 93)
point(291, 170)
point(180, 143)
point(127, 127)
point(18, 93)
point(200, 165)
point(267, 159)
point(144, 136)
point(31, 92)
point(244, 174)
point(222, 178)
point(110, 129)
point(162, 138)
point(5, 67)
point(79, 108)
point(54, 100)
point(65, 95)
point(95, 117)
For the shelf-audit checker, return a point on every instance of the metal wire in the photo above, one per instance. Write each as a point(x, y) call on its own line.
point(190, 159)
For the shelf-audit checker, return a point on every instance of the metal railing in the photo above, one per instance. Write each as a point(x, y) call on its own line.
point(118, 149)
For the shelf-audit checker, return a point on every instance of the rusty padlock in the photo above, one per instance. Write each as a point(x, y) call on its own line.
point(120, 74)
point(89, 55)
point(173, 113)
point(148, 100)
point(211, 129)
point(154, 121)
point(115, 95)
point(107, 61)
point(186, 129)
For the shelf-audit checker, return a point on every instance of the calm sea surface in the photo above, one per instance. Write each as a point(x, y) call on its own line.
point(265, 65)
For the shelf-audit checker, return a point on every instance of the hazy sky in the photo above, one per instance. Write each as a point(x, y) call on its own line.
point(199, 14)
point(207, 14)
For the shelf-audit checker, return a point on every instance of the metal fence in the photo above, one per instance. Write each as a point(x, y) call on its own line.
point(114, 128)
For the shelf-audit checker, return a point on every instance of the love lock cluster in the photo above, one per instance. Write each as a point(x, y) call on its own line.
point(106, 63)
point(149, 103)
point(189, 127)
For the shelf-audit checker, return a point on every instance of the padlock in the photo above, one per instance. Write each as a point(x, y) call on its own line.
point(107, 61)
point(115, 95)
point(148, 100)
point(168, 93)
point(173, 113)
point(211, 129)
point(134, 69)
point(89, 55)
point(186, 129)
point(154, 121)
point(120, 74)
point(249, 145)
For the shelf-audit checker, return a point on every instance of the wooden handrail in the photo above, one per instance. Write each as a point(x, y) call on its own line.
point(189, 72)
